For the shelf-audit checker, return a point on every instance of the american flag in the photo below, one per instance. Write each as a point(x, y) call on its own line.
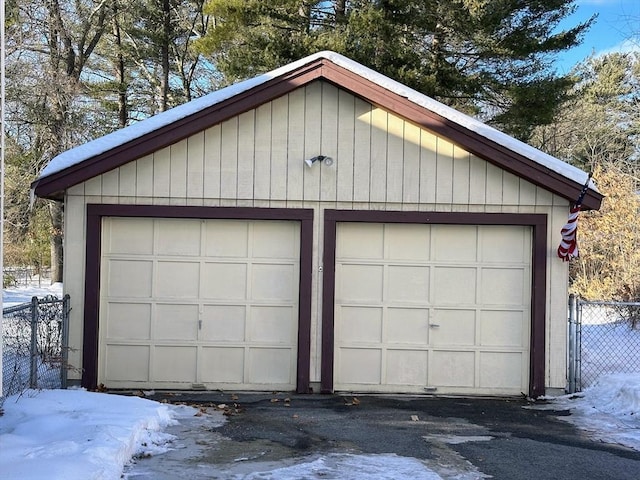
point(568, 248)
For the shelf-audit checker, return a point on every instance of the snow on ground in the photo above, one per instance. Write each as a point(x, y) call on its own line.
point(609, 410)
point(23, 294)
point(75, 434)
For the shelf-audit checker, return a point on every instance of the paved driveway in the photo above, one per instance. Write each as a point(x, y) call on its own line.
point(455, 438)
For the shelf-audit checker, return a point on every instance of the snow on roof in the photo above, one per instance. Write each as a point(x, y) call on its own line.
point(122, 136)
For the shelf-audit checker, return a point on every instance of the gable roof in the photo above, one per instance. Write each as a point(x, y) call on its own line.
point(122, 146)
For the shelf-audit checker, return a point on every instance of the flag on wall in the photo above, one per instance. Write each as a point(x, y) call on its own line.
point(568, 248)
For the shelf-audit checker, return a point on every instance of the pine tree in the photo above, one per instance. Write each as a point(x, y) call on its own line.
point(490, 58)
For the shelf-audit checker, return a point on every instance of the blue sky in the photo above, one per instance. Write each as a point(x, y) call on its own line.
point(617, 28)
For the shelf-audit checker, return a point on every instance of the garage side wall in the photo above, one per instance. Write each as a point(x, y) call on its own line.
point(380, 162)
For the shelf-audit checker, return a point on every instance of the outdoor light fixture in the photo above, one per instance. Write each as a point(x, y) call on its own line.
point(328, 161)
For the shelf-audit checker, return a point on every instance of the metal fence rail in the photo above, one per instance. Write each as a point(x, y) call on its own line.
point(35, 345)
point(604, 338)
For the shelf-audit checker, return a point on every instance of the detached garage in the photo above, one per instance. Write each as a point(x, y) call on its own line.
point(320, 227)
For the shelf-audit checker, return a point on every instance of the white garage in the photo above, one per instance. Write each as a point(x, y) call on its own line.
point(194, 303)
point(320, 227)
point(432, 308)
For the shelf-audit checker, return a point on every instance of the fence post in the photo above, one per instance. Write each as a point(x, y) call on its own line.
point(33, 377)
point(66, 307)
point(573, 354)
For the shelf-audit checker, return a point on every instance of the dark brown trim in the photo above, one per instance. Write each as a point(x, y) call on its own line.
point(95, 214)
point(54, 185)
point(538, 222)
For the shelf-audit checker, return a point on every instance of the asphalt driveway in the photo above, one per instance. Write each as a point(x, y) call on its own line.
point(457, 438)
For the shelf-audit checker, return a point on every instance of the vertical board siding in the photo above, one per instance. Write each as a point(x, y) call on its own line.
point(144, 177)
point(162, 173)
point(246, 155)
point(229, 159)
point(412, 164)
point(361, 152)
point(461, 176)
point(127, 180)
point(395, 158)
point(258, 157)
point(428, 161)
point(444, 172)
point(289, 177)
point(312, 134)
point(329, 141)
point(263, 148)
point(212, 165)
point(195, 166)
point(378, 159)
point(178, 170)
point(345, 147)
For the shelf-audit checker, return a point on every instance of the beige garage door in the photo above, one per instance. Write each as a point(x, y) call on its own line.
point(189, 303)
point(432, 308)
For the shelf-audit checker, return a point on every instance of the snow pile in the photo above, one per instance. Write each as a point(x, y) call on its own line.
point(609, 410)
point(75, 434)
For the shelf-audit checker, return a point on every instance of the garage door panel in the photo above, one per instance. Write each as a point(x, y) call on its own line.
point(504, 328)
point(274, 282)
point(272, 324)
point(359, 324)
point(452, 369)
point(224, 281)
point(502, 286)
point(177, 279)
point(501, 370)
point(504, 244)
point(270, 366)
point(454, 243)
point(174, 364)
point(364, 241)
point(223, 323)
point(361, 283)
point(176, 322)
point(407, 283)
point(131, 236)
point(275, 240)
point(359, 366)
point(453, 327)
point(127, 363)
point(407, 242)
point(131, 279)
point(407, 367)
point(222, 365)
point(128, 321)
point(407, 326)
point(456, 320)
point(178, 237)
point(454, 286)
point(214, 302)
point(226, 238)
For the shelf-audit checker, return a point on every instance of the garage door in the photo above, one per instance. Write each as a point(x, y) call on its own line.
point(432, 308)
point(198, 303)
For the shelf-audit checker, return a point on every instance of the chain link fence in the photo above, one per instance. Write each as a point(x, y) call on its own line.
point(34, 345)
point(604, 338)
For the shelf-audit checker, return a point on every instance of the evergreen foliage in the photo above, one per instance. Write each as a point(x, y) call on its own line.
point(489, 58)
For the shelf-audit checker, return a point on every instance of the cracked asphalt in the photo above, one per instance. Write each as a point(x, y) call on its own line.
point(461, 438)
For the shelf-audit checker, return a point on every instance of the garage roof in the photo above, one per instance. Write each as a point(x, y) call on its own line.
point(122, 146)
